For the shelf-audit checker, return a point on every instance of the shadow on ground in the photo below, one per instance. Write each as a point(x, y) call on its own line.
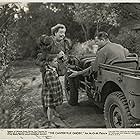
point(85, 115)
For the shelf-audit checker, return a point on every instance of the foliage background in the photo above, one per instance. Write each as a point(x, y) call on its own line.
point(82, 20)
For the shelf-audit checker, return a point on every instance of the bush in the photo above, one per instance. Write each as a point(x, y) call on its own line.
point(18, 105)
point(11, 105)
point(85, 48)
point(129, 39)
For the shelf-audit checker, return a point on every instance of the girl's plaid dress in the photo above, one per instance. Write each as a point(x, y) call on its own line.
point(52, 88)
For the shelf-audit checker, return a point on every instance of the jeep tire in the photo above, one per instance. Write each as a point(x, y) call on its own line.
point(116, 111)
point(71, 89)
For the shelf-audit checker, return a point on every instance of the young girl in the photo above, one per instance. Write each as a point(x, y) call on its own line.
point(52, 89)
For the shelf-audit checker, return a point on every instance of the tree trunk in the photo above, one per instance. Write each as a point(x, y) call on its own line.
point(88, 31)
point(97, 29)
point(84, 30)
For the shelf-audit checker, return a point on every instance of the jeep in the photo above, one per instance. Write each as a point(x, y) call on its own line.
point(115, 89)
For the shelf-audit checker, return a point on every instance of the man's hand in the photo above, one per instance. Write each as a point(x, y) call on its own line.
point(74, 74)
point(85, 72)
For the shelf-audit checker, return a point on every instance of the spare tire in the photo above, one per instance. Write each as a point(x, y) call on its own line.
point(71, 89)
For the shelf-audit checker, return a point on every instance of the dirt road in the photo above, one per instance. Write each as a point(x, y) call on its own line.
point(85, 115)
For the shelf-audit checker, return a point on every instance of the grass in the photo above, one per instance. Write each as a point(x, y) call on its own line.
point(28, 74)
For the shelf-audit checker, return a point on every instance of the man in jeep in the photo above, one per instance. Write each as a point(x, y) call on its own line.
point(107, 53)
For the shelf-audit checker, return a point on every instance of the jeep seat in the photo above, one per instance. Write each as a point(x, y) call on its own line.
point(131, 64)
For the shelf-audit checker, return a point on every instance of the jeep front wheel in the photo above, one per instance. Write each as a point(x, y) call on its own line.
point(116, 111)
point(71, 89)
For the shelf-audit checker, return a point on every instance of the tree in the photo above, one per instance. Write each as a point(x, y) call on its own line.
point(95, 15)
point(128, 17)
point(39, 19)
point(8, 36)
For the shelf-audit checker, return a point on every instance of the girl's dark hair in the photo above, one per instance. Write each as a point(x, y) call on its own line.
point(102, 35)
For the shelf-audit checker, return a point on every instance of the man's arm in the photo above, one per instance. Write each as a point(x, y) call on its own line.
point(100, 58)
point(83, 72)
point(126, 52)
